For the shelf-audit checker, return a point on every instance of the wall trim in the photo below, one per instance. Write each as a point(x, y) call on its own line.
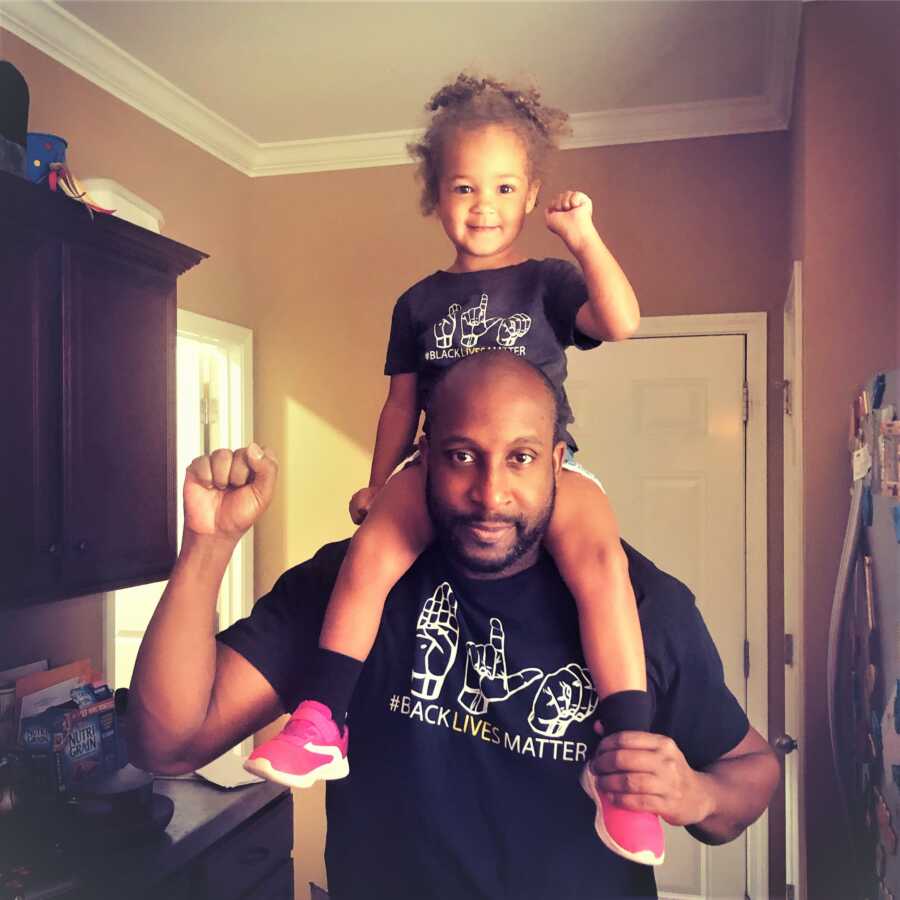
point(62, 36)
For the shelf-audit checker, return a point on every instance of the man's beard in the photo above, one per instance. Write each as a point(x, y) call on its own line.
point(447, 526)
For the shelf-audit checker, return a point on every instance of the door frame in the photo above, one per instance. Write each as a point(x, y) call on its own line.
point(237, 342)
point(752, 326)
point(795, 832)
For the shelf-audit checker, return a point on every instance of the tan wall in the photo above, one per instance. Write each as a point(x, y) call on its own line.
point(313, 264)
point(844, 145)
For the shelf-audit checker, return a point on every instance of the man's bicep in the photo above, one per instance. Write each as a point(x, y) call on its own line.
point(752, 743)
point(242, 703)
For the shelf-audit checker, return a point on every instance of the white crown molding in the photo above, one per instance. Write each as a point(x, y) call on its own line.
point(69, 41)
point(65, 38)
point(355, 151)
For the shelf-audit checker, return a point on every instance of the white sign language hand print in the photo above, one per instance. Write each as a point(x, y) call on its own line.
point(474, 323)
point(512, 328)
point(446, 328)
point(564, 696)
point(486, 679)
point(437, 639)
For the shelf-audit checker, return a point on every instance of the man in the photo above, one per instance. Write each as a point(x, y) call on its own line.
point(472, 721)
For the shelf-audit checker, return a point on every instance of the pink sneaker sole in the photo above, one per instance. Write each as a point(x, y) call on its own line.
point(645, 857)
point(332, 771)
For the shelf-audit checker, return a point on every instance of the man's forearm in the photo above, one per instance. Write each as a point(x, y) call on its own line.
point(738, 791)
point(176, 665)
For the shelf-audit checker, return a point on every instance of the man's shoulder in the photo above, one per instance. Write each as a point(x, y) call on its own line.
point(321, 568)
point(658, 594)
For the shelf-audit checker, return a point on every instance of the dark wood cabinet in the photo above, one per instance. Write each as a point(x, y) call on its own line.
point(87, 365)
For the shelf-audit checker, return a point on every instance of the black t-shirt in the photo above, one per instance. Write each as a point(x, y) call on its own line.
point(528, 309)
point(470, 725)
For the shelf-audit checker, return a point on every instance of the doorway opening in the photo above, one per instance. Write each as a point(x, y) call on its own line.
point(214, 401)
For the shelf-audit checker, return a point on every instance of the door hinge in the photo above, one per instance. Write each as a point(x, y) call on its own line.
point(787, 398)
point(788, 892)
point(745, 403)
point(788, 649)
point(209, 407)
point(746, 659)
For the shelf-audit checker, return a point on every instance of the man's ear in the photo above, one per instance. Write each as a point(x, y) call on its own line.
point(559, 454)
point(534, 188)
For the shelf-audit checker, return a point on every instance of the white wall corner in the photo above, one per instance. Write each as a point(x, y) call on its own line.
point(782, 49)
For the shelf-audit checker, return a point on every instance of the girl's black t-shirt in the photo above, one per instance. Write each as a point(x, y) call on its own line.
point(471, 722)
point(527, 309)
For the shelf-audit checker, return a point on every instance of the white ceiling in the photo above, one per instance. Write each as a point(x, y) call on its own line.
point(278, 87)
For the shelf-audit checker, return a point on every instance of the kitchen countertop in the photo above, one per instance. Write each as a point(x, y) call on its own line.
point(65, 861)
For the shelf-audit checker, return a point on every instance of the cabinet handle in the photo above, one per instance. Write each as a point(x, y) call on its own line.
point(255, 855)
point(81, 546)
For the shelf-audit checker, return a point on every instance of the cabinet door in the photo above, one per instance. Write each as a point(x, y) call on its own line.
point(118, 340)
point(30, 547)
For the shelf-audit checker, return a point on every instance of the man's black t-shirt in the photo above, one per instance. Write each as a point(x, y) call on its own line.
point(527, 309)
point(470, 725)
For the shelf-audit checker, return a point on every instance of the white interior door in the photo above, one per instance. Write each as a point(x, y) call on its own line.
point(661, 421)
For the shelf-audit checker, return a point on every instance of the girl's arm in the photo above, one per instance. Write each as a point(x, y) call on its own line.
point(397, 426)
point(611, 312)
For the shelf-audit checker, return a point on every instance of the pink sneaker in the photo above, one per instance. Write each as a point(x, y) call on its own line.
point(310, 748)
point(637, 836)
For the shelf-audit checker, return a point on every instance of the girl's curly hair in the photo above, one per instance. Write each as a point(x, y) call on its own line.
point(470, 103)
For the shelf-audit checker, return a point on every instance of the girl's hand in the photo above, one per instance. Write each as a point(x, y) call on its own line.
point(360, 503)
point(569, 216)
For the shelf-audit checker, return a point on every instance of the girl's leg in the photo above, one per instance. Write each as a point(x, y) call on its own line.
point(583, 538)
point(313, 745)
point(395, 531)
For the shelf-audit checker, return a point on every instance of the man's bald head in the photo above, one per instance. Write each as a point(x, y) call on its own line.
point(474, 374)
point(492, 462)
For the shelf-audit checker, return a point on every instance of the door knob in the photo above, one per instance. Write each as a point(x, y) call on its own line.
point(785, 744)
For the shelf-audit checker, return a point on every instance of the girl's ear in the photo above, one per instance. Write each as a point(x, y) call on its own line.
point(534, 189)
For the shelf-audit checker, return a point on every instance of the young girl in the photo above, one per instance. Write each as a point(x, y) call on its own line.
point(482, 162)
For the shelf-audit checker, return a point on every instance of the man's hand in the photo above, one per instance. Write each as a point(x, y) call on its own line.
point(226, 491)
point(569, 216)
point(360, 503)
point(648, 773)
